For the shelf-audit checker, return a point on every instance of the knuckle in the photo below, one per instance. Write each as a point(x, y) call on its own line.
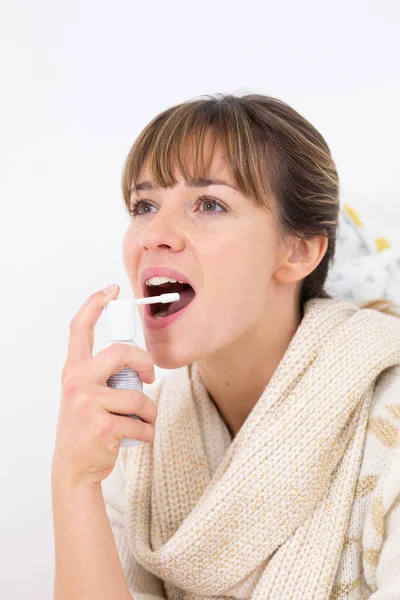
point(102, 425)
point(121, 347)
point(70, 384)
point(83, 396)
point(137, 429)
point(153, 412)
point(146, 431)
point(150, 434)
point(141, 353)
point(130, 353)
point(112, 347)
point(148, 360)
point(84, 400)
point(116, 349)
point(155, 409)
point(137, 398)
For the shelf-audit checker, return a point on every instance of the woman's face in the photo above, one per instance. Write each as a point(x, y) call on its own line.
point(223, 242)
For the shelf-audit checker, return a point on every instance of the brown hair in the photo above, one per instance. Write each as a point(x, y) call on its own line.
point(273, 152)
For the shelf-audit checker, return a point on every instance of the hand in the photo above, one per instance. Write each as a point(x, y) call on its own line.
point(88, 434)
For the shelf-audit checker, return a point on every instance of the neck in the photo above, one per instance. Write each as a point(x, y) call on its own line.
point(236, 376)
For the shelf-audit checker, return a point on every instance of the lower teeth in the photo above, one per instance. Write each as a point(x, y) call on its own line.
point(162, 313)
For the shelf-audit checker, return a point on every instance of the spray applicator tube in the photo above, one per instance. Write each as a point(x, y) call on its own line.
point(122, 328)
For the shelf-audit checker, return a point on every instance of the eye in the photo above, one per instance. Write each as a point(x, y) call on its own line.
point(134, 208)
point(207, 201)
point(136, 205)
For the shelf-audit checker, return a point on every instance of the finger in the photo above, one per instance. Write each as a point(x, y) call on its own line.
point(81, 336)
point(127, 402)
point(112, 359)
point(132, 429)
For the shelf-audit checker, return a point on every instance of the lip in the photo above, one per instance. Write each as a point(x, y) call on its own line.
point(161, 270)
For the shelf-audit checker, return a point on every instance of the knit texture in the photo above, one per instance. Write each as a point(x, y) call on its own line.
point(285, 509)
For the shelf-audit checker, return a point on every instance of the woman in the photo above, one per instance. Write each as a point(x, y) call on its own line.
point(271, 466)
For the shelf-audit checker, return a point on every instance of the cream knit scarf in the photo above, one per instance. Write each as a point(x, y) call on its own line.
point(270, 522)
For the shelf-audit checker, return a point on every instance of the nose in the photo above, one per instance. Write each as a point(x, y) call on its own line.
point(162, 232)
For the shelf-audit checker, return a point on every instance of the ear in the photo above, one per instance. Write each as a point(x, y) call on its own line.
point(300, 258)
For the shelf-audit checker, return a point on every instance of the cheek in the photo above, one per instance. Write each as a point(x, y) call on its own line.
point(129, 251)
point(242, 277)
point(243, 263)
point(227, 281)
point(130, 256)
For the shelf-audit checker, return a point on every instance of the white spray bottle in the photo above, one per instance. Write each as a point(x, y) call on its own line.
point(122, 328)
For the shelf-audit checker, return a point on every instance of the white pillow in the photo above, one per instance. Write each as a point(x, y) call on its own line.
point(367, 263)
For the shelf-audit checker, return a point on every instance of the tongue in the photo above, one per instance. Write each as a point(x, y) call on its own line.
point(186, 296)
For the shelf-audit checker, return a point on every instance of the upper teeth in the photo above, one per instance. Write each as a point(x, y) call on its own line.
point(160, 280)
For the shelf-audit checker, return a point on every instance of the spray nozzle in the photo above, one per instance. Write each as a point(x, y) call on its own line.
point(158, 299)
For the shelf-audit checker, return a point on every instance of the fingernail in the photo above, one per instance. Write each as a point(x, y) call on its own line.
point(110, 288)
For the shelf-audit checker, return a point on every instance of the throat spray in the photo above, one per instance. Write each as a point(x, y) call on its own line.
point(121, 327)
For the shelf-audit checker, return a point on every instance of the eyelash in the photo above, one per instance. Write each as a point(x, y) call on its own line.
point(134, 208)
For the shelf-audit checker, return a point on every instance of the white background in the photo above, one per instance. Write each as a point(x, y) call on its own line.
point(79, 81)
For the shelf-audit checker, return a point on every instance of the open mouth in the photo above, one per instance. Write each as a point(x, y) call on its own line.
point(160, 310)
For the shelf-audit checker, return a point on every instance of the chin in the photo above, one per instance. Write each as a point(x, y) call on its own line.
point(169, 356)
point(170, 362)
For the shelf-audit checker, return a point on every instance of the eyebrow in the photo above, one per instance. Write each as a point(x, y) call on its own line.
point(193, 183)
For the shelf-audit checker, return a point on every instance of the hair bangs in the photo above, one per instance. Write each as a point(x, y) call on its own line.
point(186, 137)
